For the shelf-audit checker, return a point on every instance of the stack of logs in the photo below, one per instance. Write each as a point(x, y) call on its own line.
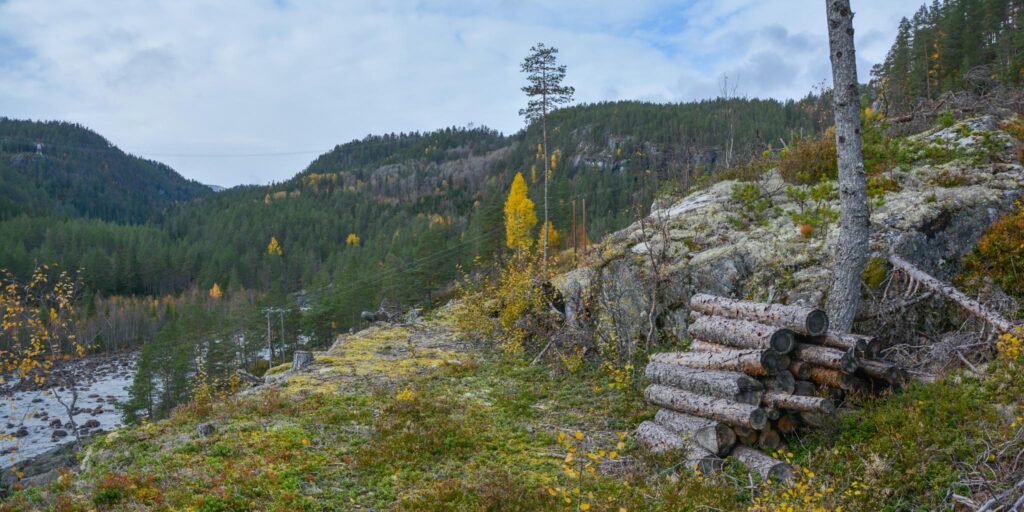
point(754, 374)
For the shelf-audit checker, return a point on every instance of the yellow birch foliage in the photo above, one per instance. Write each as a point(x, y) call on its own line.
point(352, 239)
point(553, 236)
point(38, 323)
point(216, 292)
point(519, 216)
point(274, 248)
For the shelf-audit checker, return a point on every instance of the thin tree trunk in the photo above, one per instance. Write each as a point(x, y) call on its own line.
point(851, 252)
point(845, 361)
point(798, 403)
point(544, 128)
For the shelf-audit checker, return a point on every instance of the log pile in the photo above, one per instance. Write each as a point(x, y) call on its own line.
point(754, 374)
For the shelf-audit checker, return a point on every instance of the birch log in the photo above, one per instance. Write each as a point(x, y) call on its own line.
point(833, 378)
point(783, 382)
point(756, 363)
point(768, 439)
point(809, 321)
point(733, 386)
point(758, 462)
point(883, 371)
point(725, 411)
point(845, 341)
point(660, 440)
point(800, 369)
point(714, 436)
point(788, 423)
point(836, 359)
point(741, 334)
point(798, 403)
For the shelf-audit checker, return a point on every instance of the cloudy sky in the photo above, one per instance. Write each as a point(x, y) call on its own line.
point(232, 92)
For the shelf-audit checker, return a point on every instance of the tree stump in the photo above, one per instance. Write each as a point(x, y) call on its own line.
point(301, 359)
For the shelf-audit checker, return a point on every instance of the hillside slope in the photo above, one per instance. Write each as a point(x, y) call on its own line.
point(62, 169)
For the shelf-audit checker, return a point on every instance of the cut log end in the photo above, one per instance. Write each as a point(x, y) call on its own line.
point(817, 323)
point(783, 341)
point(767, 467)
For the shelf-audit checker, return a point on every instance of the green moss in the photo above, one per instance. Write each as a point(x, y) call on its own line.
point(875, 271)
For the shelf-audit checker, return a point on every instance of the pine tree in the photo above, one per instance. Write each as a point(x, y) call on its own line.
point(546, 94)
point(519, 216)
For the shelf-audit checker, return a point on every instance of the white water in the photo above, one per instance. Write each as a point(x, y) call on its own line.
point(104, 381)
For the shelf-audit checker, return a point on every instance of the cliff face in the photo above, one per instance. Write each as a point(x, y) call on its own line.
point(711, 241)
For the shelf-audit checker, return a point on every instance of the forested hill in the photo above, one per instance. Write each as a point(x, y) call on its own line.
point(953, 45)
point(395, 216)
point(63, 169)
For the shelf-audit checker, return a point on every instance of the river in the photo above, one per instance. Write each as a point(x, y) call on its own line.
point(38, 422)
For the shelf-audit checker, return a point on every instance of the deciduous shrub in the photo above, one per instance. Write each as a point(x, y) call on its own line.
point(999, 256)
point(810, 160)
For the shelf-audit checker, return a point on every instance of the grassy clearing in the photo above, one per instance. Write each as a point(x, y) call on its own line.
point(493, 433)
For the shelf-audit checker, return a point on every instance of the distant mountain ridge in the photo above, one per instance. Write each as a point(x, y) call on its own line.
point(65, 169)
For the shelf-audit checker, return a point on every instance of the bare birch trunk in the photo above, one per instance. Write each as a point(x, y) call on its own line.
point(851, 252)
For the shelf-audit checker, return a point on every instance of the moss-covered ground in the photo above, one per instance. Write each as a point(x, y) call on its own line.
point(410, 418)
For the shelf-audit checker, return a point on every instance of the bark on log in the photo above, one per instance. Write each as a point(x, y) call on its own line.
point(301, 359)
point(758, 462)
point(833, 378)
point(950, 292)
point(660, 440)
point(859, 343)
point(706, 407)
point(714, 436)
point(733, 386)
point(756, 363)
point(800, 369)
point(827, 357)
point(768, 439)
point(805, 388)
point(799, 403)
point(783, 382)
point(707, 346)
point(742, 334)
point(884, 371)
point(788, 423)
point(809, 321)
point(745, 436)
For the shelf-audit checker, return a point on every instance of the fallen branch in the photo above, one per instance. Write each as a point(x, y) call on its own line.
point(951, 292)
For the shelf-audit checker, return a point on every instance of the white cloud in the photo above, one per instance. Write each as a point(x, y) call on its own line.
point(169, 77)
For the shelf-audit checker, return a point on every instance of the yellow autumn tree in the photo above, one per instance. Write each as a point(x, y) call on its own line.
point(352, 239)
point(216, 292)
point(274, 248)
point(519, 216)
point(553, 236)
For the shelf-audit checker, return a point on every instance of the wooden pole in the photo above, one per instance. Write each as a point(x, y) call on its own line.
point(575, 249)
point(767, 467)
